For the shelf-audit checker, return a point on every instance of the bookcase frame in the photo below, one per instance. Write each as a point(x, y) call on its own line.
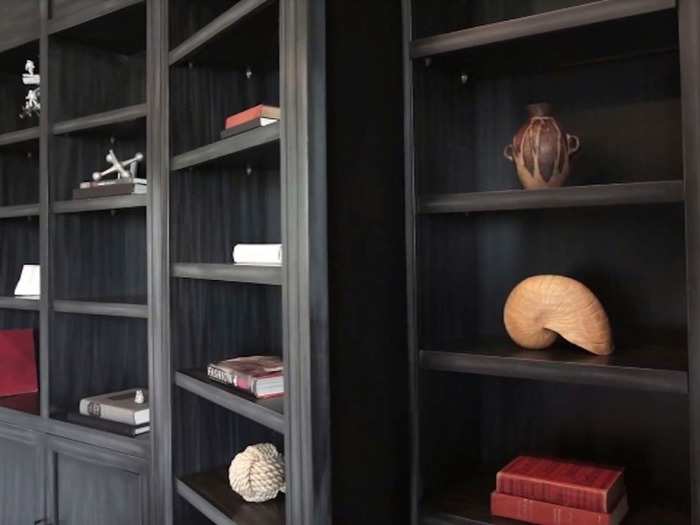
point(465, 373)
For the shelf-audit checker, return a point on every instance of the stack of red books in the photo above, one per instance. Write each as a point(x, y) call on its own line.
point(555, 492)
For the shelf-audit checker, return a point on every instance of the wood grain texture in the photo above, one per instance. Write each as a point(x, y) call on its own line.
point(19, 244)
point(20, 485)
point(19, 177)
point(19, 22)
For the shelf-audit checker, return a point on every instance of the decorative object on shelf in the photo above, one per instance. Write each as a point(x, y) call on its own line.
point(125, 181)
point(32, 103)
point(122, 406)
point(258, 254)
point(18, 374)
point(541, 150)
point(257, 473)
point(29, 283)
point(543, 307)
point(255, 117)
point(260, 375)
point(549, 491)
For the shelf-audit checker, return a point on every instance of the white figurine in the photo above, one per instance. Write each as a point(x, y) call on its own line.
point(32, 105)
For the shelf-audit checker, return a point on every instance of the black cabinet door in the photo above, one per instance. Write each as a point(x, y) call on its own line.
point(90, 485)
point(21, 476)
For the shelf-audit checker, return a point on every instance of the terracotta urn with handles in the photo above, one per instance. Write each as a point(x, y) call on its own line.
point(541, 150)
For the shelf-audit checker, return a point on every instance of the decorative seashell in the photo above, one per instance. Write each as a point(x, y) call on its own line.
point(544, 306)
point(257, 473)
point(541, 150)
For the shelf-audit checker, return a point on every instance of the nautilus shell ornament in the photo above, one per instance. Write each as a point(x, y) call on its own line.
point(543, 307)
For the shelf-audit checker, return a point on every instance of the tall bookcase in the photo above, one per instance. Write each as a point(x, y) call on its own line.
point(623, 75)
point(140, 290)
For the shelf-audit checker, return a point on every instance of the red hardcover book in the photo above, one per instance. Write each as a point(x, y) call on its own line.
point(255, 113)
point(259, 375)
point(543, 513)
point(568, 483)
point(17, 363)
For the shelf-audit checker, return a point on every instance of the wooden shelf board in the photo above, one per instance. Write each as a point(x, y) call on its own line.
point(99, 10)
point(267, 412)
point(641, 368)
point(468, 503)
point(101, 204)
point(110, 309)
point(25, 403)
point(567, 197)
point(17, 303)
point(227, 147)
point(118, 122)
point(22, 210)
point(211, 495)
point(560, 19)
point(136, 446)
point(13, 138)
point(215, 28)
point(271, 275)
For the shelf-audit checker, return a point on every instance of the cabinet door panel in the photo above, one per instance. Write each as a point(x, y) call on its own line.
point(21, 486)
point(92, 485)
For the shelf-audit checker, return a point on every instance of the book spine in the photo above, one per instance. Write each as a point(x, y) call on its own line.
point(543, 513)
point(240, 381)
point(552, 492)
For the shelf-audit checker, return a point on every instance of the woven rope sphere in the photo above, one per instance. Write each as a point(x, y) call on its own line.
point(257, 473)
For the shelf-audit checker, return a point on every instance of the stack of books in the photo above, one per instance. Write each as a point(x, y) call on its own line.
point(259, 375)
point(555, 492)
point(125, 412)
point(252, 118)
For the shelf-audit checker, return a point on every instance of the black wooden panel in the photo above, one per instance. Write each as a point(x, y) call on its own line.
point(101, 257)
point(461, 130)
point(196, 16)
point(216, 208)
point(21, 484)
point(94, 355)
point(19, 245)
point(19, 176)
point(88, 80)
point(19, 22)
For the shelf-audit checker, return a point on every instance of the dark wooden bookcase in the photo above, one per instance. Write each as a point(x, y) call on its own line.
point(623, 75)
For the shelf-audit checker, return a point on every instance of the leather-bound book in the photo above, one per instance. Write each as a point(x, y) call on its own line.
point(17, 363)
point(568, 483)
point(543, 513)
point(255, 117)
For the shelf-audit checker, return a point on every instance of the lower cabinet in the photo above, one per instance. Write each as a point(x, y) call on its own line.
point(88, 486)
point(21, 476)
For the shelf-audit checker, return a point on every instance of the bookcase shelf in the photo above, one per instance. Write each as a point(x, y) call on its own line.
point(566, 197)
point(230, 146)
point(229, 272)
point(654, 369)
point(101, 204)
point(22, 210)
point(223, 22)
point(558, 20)
point(26, 403)
point(111, 309)
point(267, 412)
point(15, 303)
point(117, 122)
point(20, 138)
point(210, 493)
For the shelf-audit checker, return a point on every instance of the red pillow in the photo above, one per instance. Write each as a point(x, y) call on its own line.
point(17, 363)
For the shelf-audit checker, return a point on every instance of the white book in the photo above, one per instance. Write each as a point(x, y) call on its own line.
point(29, 284)
point(258, 254)
point(122, 407)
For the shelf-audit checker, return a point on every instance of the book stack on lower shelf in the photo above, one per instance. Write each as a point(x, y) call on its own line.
point(555, 492)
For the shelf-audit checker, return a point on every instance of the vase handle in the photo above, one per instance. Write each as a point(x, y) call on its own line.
point(574, 143)
point(508, 152)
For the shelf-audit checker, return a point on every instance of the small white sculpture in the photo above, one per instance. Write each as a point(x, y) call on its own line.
point(118, 167)
point(139, 397)
point(257, 473)
point(32, 104)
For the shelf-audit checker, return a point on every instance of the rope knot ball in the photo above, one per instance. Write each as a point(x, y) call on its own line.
point(257, 473)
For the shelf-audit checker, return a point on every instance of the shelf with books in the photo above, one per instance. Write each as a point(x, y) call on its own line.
point(210, 493)
point(271, 275)
point(640, 367)
point(117, 122)
point(120, 202)
point(250, 143)
point(566, 197)
point(267, 412)
point(110, 309)
point(587, 13)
